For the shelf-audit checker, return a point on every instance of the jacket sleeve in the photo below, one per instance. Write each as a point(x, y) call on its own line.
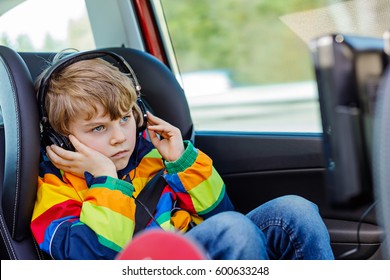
point(97, 217)
point(199, 187)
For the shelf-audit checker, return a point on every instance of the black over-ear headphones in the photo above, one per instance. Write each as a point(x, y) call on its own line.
point(48, 135)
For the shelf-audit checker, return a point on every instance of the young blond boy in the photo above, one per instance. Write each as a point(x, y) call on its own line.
point(85, 206)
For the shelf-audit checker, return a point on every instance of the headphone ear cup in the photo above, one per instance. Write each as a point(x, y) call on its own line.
point(142, 107)
point(49, 137)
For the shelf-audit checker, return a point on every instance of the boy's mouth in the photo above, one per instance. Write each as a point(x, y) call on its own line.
point(120, 154)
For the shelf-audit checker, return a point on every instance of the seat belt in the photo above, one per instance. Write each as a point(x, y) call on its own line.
point(147, 199)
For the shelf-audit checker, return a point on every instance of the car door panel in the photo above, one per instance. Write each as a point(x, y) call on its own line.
point(257, 167)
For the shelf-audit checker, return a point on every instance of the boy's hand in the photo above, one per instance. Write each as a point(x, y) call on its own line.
point(170, 146)
point(84, 159)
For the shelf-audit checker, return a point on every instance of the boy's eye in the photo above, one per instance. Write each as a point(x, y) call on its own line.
point(98, 128)
point(125, 119)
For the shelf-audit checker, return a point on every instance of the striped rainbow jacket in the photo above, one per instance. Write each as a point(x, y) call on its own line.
point(94, 218)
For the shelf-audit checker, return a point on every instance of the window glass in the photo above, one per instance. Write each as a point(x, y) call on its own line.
point(46, 25)
point(246, 65)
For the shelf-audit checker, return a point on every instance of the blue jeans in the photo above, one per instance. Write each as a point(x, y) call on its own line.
point(288, 227)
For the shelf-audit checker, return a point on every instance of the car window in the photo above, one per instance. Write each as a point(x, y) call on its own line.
point(246, 65)
point(45, 25)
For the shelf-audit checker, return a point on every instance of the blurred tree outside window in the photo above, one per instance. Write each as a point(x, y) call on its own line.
point(66, 25)
point(242, 67)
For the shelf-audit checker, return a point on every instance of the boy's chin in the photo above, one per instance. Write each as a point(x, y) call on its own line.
point(121, 163)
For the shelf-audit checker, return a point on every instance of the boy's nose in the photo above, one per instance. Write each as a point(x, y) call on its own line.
point(118, 136)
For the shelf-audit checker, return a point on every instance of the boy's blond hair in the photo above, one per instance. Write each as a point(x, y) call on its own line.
point(76, 90)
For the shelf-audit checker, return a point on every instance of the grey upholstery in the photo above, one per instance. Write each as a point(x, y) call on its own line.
point(20, 152)
point(381, 157)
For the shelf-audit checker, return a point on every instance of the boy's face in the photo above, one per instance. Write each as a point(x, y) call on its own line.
point(113, 138)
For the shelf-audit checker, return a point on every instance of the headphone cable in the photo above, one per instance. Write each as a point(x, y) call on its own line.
point(357, 248)
point(147, 211)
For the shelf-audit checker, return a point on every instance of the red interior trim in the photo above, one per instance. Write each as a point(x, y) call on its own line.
point(149, 30)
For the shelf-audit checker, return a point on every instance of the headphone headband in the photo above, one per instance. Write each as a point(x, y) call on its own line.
point(76, 57)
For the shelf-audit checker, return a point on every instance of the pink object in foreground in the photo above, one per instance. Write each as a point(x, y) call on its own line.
point(161, 245)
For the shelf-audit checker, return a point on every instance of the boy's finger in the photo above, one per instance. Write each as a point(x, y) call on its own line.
point(59, 152)
point(152, 135)
point(76, 143)
point(152, 119)
point(57, 155)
